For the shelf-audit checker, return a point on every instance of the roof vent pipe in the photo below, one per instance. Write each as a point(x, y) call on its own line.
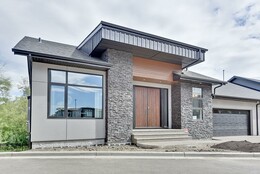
point(40, 40)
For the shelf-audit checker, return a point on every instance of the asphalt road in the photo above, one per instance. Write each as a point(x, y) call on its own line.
point(128, 166)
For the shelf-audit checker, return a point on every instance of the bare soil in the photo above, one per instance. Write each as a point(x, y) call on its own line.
point(175, 148)
point(242, 146)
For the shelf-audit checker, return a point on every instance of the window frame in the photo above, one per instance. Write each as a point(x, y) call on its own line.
point(197, 108)
point(66, 85)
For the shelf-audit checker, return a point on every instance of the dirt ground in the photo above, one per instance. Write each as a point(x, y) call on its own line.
point(242, 146)
point(176, 148)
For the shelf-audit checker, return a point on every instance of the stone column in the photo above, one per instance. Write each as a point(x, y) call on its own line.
point(182, 109)
point(119, 96)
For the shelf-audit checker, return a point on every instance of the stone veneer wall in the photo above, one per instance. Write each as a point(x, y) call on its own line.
point(176, 105)
point(119, 96)
point(182, 110)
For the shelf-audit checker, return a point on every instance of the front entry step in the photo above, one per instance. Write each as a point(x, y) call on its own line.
point(140, 136)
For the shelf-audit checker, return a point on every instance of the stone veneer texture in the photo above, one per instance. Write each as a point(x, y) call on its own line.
point(119, 96)
point(182, 110)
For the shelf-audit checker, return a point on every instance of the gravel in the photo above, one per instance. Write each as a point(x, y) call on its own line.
point(175, 148)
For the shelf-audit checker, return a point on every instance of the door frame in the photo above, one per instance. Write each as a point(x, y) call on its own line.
point(153, 85)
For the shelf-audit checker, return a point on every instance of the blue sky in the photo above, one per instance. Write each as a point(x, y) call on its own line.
point(229, 29)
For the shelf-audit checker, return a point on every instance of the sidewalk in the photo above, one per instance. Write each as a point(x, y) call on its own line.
point(126, 154)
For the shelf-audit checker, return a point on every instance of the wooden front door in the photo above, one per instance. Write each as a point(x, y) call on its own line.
point(147, 107)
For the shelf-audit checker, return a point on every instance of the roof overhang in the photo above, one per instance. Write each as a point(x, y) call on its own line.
point(195, 77)
point(61, 60)
point(111, 36)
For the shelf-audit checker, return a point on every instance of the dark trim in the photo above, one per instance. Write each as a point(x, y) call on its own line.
point(106, 107)
point(214, 93)
point(62, 58)
point(29, 63)
point(66, 85)
point(194, 62)
point(257, 126)
point(164, 108)
point(104, 24)
point(134, 107)
point(247, 79)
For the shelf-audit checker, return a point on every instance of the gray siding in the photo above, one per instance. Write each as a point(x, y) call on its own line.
point(120, 96)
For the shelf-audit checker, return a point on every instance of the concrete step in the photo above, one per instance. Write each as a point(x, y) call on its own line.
point(158, 135)
point(160, 139)
point(157, 130)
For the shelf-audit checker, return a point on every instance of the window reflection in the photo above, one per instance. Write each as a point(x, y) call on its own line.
point(84, 102)
point(58, 76)
point(57, 101)
point(84, 79)
point(83, 95)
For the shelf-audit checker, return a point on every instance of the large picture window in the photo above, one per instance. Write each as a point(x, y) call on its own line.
point(75, 95)
point(197, 104)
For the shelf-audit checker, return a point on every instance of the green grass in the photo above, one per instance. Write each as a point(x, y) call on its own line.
point(13, 149)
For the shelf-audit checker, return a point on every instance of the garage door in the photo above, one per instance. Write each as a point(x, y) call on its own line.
point(230, 122)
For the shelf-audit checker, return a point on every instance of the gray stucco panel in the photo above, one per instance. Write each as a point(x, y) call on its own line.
point(119, 96)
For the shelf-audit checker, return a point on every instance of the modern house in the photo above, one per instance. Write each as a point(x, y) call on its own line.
point(236, 107)
point(115, 81)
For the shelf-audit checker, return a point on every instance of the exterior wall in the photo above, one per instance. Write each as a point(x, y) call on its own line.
point(51, 130)
point(176, 105)
point(182, 110)
point(153, 71)
point(120, 96)
point(239, 105)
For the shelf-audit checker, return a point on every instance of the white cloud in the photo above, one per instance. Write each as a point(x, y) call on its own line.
point(207, 23)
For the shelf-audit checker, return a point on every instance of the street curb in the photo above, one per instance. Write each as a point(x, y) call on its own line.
point(131, 154)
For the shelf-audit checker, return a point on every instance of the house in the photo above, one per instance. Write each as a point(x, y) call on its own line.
point(236, 107)
point(115, 81)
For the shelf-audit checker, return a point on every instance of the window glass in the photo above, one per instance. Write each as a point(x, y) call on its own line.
point(197, 114)
point(84, 79)
point(58, 76)
point(196, 92)
point(197, 103)
point(57, 101)
point(84, 102)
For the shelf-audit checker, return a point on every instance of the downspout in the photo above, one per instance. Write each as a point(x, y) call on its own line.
point(29, 64)
point(186, 67)
point(257, 128)
point(214, 91)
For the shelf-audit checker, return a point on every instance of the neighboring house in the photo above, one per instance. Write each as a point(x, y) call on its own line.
point(118, 79)
point(236, 107)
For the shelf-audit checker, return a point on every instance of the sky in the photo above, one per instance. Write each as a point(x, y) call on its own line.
point(230, 30)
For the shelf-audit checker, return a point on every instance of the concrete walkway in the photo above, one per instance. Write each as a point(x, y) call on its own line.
point(125, 154)
point(194, 142)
